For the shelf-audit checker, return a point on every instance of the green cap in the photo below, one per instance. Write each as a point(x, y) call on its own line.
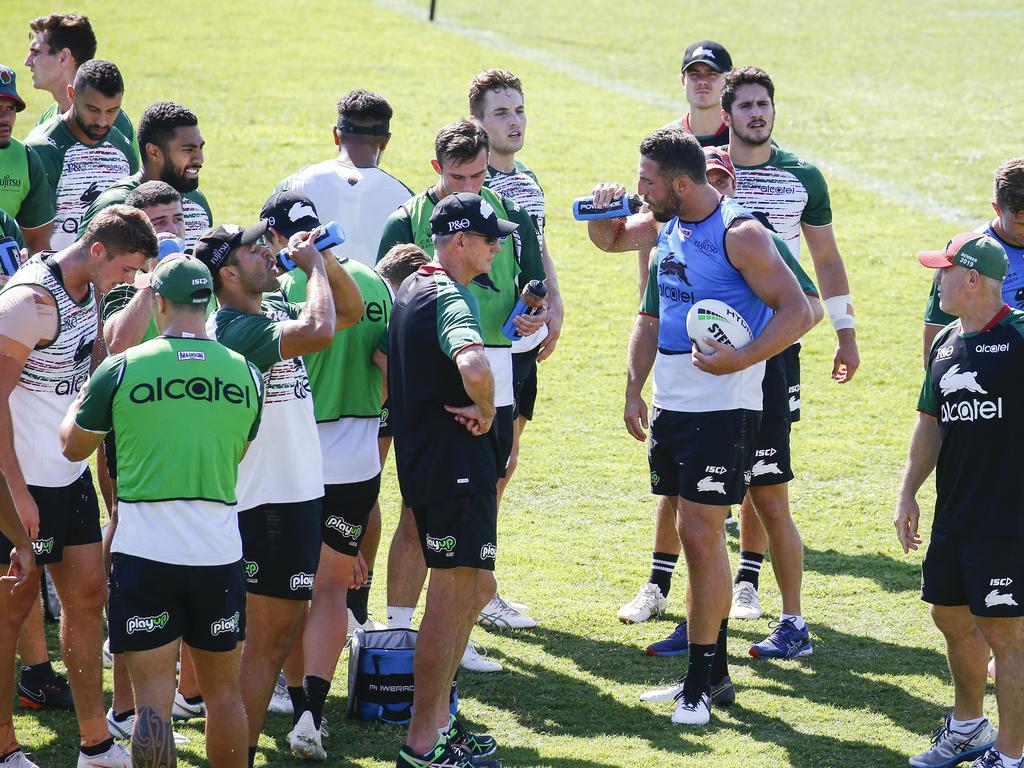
point(972, 250)
point(182, 280)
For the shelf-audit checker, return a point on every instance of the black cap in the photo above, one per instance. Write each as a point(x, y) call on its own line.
point(466, 212)
point(708, 52)
point(290, 212)
point(214, 245)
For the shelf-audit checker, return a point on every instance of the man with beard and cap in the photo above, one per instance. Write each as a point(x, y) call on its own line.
point(172, 152)
point(82, 152)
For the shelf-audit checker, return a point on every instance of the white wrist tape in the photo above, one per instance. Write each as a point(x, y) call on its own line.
point(840, 311)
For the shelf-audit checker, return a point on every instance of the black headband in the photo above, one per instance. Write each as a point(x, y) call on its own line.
point(381, 129)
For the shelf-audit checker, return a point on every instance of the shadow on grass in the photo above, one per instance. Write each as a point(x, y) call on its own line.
point(889, 573)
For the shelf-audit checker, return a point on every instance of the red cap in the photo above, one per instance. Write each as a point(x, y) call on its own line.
point(718, 158)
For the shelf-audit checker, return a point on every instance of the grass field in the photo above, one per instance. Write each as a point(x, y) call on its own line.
point(908, 108)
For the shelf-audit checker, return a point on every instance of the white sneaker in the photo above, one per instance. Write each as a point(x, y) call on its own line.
point(280, 701)
point(182, 710)
point(115, 757)
point(474, 661)
point(305, 739)
point(367, 626)
point(744, 602)
point(500, 615)
point(18, 760)
point(693, 713)
point(663, 694)
point(108, 657)
point(950, 747)
point(649, 602)
point(122, 729)
point(521, 607)
point(731, 520)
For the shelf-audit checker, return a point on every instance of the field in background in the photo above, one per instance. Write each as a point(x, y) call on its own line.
point(908, 108)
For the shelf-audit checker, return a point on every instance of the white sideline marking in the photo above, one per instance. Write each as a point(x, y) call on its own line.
point(879, 187)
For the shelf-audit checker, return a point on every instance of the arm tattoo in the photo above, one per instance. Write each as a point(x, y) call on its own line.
point(152, 741)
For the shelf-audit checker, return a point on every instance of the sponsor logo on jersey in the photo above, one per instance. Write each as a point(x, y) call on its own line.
point(300, 210)
point(301, 581)
point(458, 225)
point(220, 626)
point(42, 546)
point(672, 266)
point(1004, 347)
point(147, 623)
point(344, 527)
point(447, 544)
point(715, 470)
point(196, 388)
point(655, 479)
point(945, 352)
point(84, 349)
point(71, 385)
point(972, 410)
point(1001, 582)
point(763, 468)
point(488, 551)
point(91, 193)
point(384, 414)
point(10, 181)
point(995, 597)
point(767, 452)
point(706, 485)
point(301, 389)
point(250, 568)
point(193, 355)
point(954, 380)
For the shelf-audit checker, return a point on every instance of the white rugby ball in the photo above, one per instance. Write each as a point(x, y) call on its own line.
point(713, 319)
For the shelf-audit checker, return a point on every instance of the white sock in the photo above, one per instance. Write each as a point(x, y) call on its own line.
point(1008, 762)
point(964, 726)
point(798, 621)
point(400, 616)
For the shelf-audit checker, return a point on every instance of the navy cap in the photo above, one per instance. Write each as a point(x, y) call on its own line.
point(466, 212)
point(708, 52)
point(290, 212)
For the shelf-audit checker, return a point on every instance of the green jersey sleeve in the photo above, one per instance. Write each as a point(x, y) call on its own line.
point(397, 229)
point(257, 379)
point(933, 314)
point(38, 207)
point(124, 124)
point(530, 260)
point(818, 211)
point(255, 337)
point(457, 323)
point(9, 228)
point(806, 284)
point(96, 411)
point(649, 304)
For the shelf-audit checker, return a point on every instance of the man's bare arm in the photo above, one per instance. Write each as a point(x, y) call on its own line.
point(831, 274)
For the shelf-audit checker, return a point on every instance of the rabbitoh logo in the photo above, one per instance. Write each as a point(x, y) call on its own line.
point(706, 485)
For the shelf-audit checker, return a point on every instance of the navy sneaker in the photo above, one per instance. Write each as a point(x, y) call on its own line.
point(45, 691)
point(785, 642)
point(676, 644)
point(478, 745)
point(445, 755)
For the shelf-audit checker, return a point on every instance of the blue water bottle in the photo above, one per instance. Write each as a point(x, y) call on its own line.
point(583, 208)
point(168, 246)
point(531, 301)
point(331, 236)
point(10, 256)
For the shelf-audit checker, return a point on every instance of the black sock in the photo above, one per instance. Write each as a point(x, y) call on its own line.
point(316, 696)
point(720, 666)
point(662, 565)
point(97, 749)
point(698, 673)
point(298, 697)
point(120, 717)
point(252, 756)
point(357, 599)
point(750, 567)
point(36, 672)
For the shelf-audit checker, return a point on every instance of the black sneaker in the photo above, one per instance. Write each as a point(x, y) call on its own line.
point(477, 745)
point(50, 692)
point(445, 755)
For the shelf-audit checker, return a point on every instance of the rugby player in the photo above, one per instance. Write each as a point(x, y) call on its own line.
point(442, 394)
point(60, 44)
point(969, 413)
point(1007, 229)
point(25, 191)
point(279, 488)
point(172, 152)
point(48, 327)
point(719, 394)
point(82, 152)
point(177, 553)
point(460, 161)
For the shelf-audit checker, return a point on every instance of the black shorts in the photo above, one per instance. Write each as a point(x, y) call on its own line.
point(792, 357)
point(110, 453)
point(703, 457)
point(153, 603)
point(459, 532)
point(68, 516)
point(524, 382)
point(281, 548)
point(984, 573)
point(346, 509)
point(385, 430)
point(503, 426)
point(771, 458)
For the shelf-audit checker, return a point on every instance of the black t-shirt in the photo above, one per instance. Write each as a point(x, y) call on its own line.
point(973, 387)
point(433, 319)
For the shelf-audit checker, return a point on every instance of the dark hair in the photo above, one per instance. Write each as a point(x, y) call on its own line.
point(1010, 185)
point(491, 80)
point(676, 152)
point(460, 142)
point(122, 230)
point(364, 108)
point(152, 193)
point(100, 74)
point(734, 78)
point(67, 30)
point(400, 262)
point(159, 121)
